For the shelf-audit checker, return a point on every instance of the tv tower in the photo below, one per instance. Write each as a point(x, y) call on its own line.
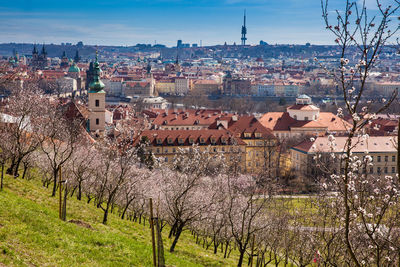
point(244, 29)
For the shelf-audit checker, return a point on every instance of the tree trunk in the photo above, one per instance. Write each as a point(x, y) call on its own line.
point(79, 197)
point(53, 194)
point(179, 230)
point(24, 172)
point(2, 176)
point(105, 215)
point(16, 167)
point(241, 257)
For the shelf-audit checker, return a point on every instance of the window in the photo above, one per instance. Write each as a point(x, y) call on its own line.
point(166, 150)
point(393, 169)
point(378, 170)
point(180, 140)
point(371, 170)
point(170, 140)
point(97, 121)
point(159, 141)
point(97, 103)
point(393, 158)
point(202, 140)
point(247, 135)
point(158, 150)
point(258, 135)
point(386, 169)
point(166, 159)
point(386, 158)
point(379, 158)
point(173, 150)
point(306, 118)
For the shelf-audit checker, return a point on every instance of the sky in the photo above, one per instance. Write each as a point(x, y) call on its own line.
point(128, 22)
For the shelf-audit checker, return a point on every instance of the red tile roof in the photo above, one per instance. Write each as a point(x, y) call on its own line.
point(281, 121)
point(184, 137)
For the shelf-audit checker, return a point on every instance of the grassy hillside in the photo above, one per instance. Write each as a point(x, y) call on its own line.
point(32, 234)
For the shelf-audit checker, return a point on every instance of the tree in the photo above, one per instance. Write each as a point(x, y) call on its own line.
point(60, 136)
point(366, 217)
point(20, 125)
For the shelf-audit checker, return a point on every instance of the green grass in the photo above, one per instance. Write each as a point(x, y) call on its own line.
point(32, 234)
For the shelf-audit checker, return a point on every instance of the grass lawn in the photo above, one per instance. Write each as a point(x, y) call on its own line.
point(31, 234)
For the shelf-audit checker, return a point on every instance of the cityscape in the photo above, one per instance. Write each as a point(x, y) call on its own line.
point(229, 147)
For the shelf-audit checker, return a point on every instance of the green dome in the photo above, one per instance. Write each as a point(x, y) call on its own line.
point(74, 68)
point(96, 86)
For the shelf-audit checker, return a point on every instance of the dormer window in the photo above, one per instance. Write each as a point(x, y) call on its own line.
point(257, 135)
point(213, 140)
point(180, 141)
point(247, 135)
point(159, 141)
point(191, 140)
point(170, 140)
point(223, 140)
point(202, 140)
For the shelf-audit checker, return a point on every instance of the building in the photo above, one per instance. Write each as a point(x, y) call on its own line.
point(205, 87)
point(260, 142)
point(165, 144)
point(382, 150)
point(235, 86)
point(187, 119)
point(303, 118)
point(142, 88)
point(39, 61)
point(181, 85)
point(97, 101)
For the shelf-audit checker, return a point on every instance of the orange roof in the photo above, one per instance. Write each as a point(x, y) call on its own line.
point(161, 137)
point(187, 117)
point(303, 107)
point(372, 144)
point(281, 121)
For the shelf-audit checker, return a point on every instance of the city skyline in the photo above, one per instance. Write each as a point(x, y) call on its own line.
point(161, 21)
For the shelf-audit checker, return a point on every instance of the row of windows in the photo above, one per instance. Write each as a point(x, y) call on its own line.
point(378, 170)
point(213, 149)
point(386, 158)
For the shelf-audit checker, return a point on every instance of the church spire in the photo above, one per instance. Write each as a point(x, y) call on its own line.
point(96, 85)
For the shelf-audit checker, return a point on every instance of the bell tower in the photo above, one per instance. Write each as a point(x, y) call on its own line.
point(97, 101)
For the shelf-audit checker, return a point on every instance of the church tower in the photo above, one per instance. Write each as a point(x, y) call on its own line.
point(97, 101)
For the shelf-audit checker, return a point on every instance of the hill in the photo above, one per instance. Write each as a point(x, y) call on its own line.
point(31, 234)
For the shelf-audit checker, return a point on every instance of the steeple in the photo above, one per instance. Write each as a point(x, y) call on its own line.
point(35, 51)
point(96, 85)
point(244, 29)
point(77, 58)
point(44, 52)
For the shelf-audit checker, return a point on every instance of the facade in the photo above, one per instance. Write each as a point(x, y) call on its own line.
point(205, 87)
point(181, 85)
point(261, 144)
point(303, 118)
point(236, 86)
point(165, 144)
point(381, 148)
point(143, 88)
point(97, 101)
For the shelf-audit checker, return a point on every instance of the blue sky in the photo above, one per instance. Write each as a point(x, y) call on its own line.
point(127, 22)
